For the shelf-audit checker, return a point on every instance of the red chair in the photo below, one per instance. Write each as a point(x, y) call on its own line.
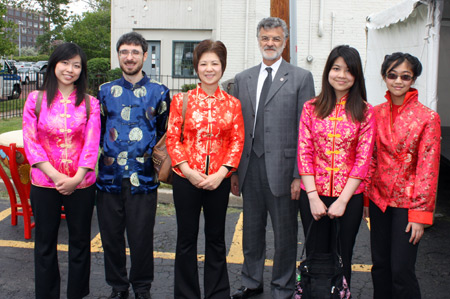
point(20, 174)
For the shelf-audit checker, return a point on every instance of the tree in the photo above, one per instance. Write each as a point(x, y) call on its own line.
point(57, 16)
point(92, 32)
point(7, 32)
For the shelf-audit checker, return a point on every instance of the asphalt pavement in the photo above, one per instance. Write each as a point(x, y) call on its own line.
point(17, 266)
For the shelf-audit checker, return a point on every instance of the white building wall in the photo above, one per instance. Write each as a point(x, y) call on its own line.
point(349, 28)
point(190, 17)
point(234, 24)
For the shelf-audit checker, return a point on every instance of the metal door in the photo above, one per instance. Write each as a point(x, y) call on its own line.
point(153, 63)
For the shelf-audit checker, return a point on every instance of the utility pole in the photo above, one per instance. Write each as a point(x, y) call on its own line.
point(20, 38)
point(280, 9)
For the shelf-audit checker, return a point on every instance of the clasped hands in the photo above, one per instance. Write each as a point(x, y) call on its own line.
point(319, 209)
point(203, 181)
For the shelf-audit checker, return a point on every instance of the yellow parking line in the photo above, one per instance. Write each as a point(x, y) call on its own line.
point(5, 213)
point(235, 254)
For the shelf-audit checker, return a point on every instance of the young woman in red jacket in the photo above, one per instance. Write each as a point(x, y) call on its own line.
point(403, 179)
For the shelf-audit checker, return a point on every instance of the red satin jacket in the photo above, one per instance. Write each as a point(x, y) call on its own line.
point(405, 164)
point(213, 131)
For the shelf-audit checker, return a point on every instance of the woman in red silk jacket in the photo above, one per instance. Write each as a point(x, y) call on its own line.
point(402, 179)
point(211, 149)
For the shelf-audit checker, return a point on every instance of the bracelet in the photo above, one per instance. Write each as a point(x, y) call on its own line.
point(311, 191)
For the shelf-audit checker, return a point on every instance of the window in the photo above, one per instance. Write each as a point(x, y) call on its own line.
point(24, 14)
point(17, 13)
point(183, 53)
point(10, 12)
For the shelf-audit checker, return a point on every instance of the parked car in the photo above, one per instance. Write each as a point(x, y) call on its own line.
point(9, 81)
point(41, 66)
point(27, 75)
point(22, 64)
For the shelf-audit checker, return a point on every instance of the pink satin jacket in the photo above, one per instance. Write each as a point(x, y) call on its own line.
point(62, 137)
point(335, 148)
point(405, 166)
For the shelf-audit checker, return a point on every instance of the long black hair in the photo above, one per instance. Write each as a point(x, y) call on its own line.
point(64, 52)
point(355, 105)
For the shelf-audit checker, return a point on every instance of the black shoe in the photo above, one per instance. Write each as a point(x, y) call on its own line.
point(144, 295)
point(245, 292)
point(119, 295)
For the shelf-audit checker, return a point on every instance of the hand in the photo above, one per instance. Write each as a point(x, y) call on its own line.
point(416, 232)
point(295, 189)
point(318, 208)
point(337, 208)
point(57, 177)
point(366, 214)
point(235, 185)
point(214, 180)
point(67, 186)
point(195, 177)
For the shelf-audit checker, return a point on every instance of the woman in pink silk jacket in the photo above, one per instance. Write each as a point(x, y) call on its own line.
point(61, 132)
point(336, 139)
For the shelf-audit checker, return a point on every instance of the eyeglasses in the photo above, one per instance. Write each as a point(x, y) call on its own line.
point(266, 39)
point(392, 76)
point(134, 53)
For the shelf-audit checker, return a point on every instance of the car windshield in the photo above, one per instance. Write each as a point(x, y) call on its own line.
point(24, 70)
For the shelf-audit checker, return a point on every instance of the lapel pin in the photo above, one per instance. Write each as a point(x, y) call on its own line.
point(281, 79)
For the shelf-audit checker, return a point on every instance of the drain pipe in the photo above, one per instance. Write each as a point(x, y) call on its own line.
point(310, 58)
point(321, 5)
point(246, 36)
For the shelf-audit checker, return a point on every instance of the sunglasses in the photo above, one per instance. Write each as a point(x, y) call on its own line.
point(392, 76)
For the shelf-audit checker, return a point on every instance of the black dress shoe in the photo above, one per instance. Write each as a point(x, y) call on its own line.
point(245, 292)
point(119, 295)
point(144, 295)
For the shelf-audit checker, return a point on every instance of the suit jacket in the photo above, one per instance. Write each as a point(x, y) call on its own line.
point(290, 89)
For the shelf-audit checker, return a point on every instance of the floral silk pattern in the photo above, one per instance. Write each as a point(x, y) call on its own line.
point(62, 137)
point(213, 131)
point(405, 166)
point(335, 148)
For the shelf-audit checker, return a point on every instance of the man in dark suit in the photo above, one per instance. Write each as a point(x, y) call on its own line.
point(272, 95)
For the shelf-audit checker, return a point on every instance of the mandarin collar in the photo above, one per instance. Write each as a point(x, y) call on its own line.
point(129, 85)
point(342, 100)
point(411, 94)
point(71, 95)
point(202, 95)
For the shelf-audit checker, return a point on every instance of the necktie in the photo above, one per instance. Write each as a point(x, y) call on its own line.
point(258, 137)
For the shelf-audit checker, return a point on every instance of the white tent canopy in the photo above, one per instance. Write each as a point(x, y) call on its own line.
point(413, 27)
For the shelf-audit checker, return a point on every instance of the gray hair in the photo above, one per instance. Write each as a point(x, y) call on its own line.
point(270, 23)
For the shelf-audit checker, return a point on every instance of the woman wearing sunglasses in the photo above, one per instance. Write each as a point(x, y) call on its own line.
point(402, 179)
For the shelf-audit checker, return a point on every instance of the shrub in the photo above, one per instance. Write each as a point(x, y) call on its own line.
point(113, 74)
point(186, 87)
point(98, 66)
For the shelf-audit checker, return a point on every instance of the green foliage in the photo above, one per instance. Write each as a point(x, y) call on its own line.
point(114, 74)
point(7, 33)
point(58, 17)
point(98, 66)
point(31, 58)
point(26, 51)
point(92, 32)
point(186, 87)
point(36, 58)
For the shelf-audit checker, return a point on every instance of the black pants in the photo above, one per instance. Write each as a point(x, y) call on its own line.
point(46, 204)
point(322, 233)
point(189, 201)
point(393, 257)
point(134, 214)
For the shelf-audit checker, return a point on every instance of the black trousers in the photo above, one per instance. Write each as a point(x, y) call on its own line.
point(322, 232)
point(189, 201)
point(134, 214)
point(46, 204)
point(393, 257)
